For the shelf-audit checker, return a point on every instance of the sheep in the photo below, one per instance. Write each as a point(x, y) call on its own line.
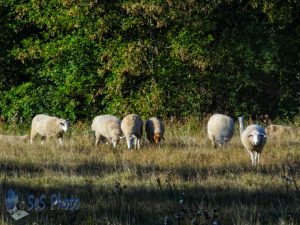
point(278, 131)
point(155, 130)
point(253, 139)
point(132, 127)
point(220, 129)
point(109, 127)
point(47, 127)
point(13, 138)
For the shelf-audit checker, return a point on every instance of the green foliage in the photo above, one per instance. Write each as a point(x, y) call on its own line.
point(78, 59)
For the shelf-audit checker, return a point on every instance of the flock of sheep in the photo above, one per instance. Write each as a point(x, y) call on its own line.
point(110, 128)
point(220, 129)
point(106, 128)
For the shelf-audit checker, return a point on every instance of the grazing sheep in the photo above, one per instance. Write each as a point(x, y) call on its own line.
point(13, 138)
point(220, 129)
point(253, 138)
point(109, 127)
point(47, 127)
point(132, 127)
point(278, 131)
point(155, 130)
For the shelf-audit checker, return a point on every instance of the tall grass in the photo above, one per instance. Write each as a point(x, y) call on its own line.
point(184, 181)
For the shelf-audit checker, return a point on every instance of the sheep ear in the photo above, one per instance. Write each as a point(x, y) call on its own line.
point(122, 137)
point(133, 136)
point(64, 123)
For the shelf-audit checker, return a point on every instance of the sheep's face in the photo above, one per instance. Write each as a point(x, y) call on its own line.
point(63, 125)
point(131, 141)
point(257, 137)
point(157, 138)
point(115, 141)
point(222, 142)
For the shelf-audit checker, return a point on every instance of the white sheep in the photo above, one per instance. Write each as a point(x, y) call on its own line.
point(220, 129)
point(14, 138)
point(279, 131)
point(155, 130)
point(132, 127)
point(253, 138)
point(47, 127)
point(109, 127)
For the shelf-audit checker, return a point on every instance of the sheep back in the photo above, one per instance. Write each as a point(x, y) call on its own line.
point(278, 130)
point(107, 125)
point(47, 126)
point(154, 129)
point(132, 124)
point(220, 128)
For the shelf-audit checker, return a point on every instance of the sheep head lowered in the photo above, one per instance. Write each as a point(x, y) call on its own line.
point(220, 129)
point(158, 137)
point(115, 141)
point(155, 130)
point(63, 125)
point(132, 128)
point(131, 141)
point(222, 142)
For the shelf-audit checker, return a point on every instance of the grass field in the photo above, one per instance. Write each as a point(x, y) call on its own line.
point(184, 181)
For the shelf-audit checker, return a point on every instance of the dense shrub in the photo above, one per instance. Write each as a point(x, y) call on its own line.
point(81, 58)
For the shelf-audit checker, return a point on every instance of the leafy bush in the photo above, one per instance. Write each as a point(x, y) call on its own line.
point(78, 59)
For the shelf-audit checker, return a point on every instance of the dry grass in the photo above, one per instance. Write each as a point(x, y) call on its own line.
point(145, 186)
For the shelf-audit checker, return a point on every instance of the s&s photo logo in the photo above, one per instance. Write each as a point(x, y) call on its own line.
point(11, 203)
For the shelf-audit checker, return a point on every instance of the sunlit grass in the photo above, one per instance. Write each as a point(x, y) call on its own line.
point(145, 186)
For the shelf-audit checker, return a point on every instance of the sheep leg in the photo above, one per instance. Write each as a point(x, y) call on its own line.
point(256, 157)
point(138, 143)
point(43, 140)
point(128, 142)
point(32, 136)
point(213, 142)
point(135, 143)
point(252, 157)
point(60, 141)
point(107, 142)
point(97, 138)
